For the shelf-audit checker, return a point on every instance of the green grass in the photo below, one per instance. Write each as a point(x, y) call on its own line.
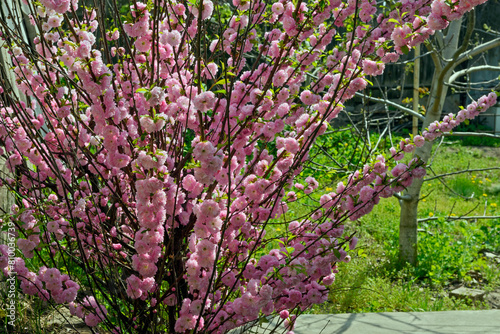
point(449, 250)
point(363, 286)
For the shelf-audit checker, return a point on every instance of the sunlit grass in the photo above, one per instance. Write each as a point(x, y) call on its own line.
point(372, 282)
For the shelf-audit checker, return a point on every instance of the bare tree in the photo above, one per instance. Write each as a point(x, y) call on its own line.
point(447, 51)
point(447, 54)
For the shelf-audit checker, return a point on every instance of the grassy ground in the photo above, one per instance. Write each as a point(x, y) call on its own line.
point(451, 252)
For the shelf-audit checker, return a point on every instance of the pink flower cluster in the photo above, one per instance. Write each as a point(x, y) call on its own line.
point(59, 6)
point(137, 288)
point(451, 121)
point(48, 283)
point(92, 312)
point(443, 11)
point(210, 162)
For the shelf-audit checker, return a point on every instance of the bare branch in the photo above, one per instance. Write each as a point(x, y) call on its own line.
point(470, 134)
point(466, 71)
point(434, 56)
point(478, 50)
point(460, 90)
point(392, 104)
point(475, 83)
point(457, 218)
point(425, 231)
point(403, 62)
point(450, 189)
point(402, 197)
point(429, 164)
point(460, 172)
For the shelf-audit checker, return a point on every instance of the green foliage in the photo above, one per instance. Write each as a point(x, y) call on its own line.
point(492, 231)
point(449, 249)
point(466, 186)
point(338, 153)
point(365, 285)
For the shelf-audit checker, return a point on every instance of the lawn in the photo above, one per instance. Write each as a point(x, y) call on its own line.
point(451, 252)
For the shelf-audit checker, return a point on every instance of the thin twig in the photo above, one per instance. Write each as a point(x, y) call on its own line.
point(450, 189)
point(470, 134)
point(392, 104)
point(457, 218)
point(460, 172)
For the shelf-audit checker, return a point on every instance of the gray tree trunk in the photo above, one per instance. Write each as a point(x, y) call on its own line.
point(444, 64)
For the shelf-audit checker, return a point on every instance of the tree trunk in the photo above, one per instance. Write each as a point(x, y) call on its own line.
point(409, 205)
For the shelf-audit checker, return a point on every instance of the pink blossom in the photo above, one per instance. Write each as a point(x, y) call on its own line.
point(291, 145)
point(172, 37)
point(157, 159)
point(366, 193)
point(209, 209)
point(84, 49)
point(311, 181)
point(395, 154)
point(52, 226)
point(353, 242)
point(92, 320)
point(69, 295)
point(157, 96)
point(189, 183)
point(253, 192)
point(436, 23)
point(266, 292)
point(278, 8)
point(144, 266)
point(419, 172)
point(280, 78)
point(307, 97)
point(238, 220)
point(369, 67)
point(204, 101)
point(59, 6)
point(184, 323)
point(207, 9)
point(328, 280)
point(150, 125)
point(170, 300)
point(419, 141)
point(54, 21)
point(206, 250)
point(143, 44)
point(210, 71)
point(119, 160)
point(26, 247)
point(302, 121)
point(390, 57)
point(399, 169)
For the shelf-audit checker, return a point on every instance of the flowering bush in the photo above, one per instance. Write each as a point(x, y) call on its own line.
point(151, 152)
